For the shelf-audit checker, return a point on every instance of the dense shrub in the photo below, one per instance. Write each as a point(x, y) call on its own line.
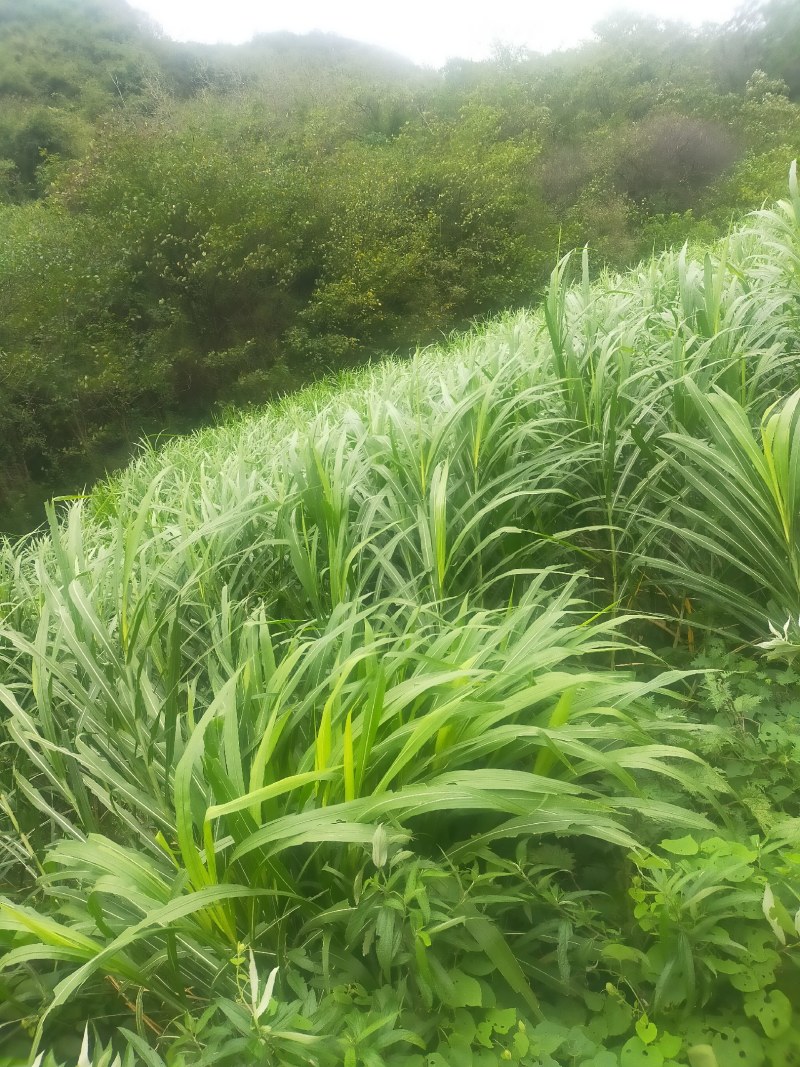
point(186, 228)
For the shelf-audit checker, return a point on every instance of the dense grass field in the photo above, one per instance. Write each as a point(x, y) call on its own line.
point(444, 715)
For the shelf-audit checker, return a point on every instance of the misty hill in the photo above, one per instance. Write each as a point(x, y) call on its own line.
point(186, 228)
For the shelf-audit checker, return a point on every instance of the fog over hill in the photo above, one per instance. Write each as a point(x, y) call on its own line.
point(187, 228)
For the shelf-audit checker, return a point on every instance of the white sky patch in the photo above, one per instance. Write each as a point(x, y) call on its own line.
point(428, 32)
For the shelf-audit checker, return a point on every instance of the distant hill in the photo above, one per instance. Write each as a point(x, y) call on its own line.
point(65, 65)
point(186, 228)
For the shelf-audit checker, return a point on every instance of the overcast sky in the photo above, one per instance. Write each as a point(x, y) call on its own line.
point(428, 31)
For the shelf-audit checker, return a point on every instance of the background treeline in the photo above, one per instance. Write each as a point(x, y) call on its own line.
point(185, 227)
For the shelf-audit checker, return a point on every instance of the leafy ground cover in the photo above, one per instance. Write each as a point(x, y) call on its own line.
point(443, 715)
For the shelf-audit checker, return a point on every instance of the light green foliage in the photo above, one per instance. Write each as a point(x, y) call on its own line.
point(342, 734)
point(425, 719)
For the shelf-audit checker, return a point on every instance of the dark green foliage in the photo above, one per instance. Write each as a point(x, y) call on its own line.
point(187, 228)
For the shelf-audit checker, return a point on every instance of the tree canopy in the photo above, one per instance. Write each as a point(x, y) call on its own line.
point(187, 227)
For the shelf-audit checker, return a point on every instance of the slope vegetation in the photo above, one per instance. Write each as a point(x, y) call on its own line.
point(442, 715)
point(221, 225)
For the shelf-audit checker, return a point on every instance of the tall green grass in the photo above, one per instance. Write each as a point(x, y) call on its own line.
point(412, 617)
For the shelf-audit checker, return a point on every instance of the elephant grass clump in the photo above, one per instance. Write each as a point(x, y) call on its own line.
point(441, 714)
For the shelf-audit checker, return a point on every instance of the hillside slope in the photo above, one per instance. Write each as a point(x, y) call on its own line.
point(378, 729)
point(187, 228)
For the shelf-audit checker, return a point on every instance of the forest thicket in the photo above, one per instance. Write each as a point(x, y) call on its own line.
point(186, 229)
